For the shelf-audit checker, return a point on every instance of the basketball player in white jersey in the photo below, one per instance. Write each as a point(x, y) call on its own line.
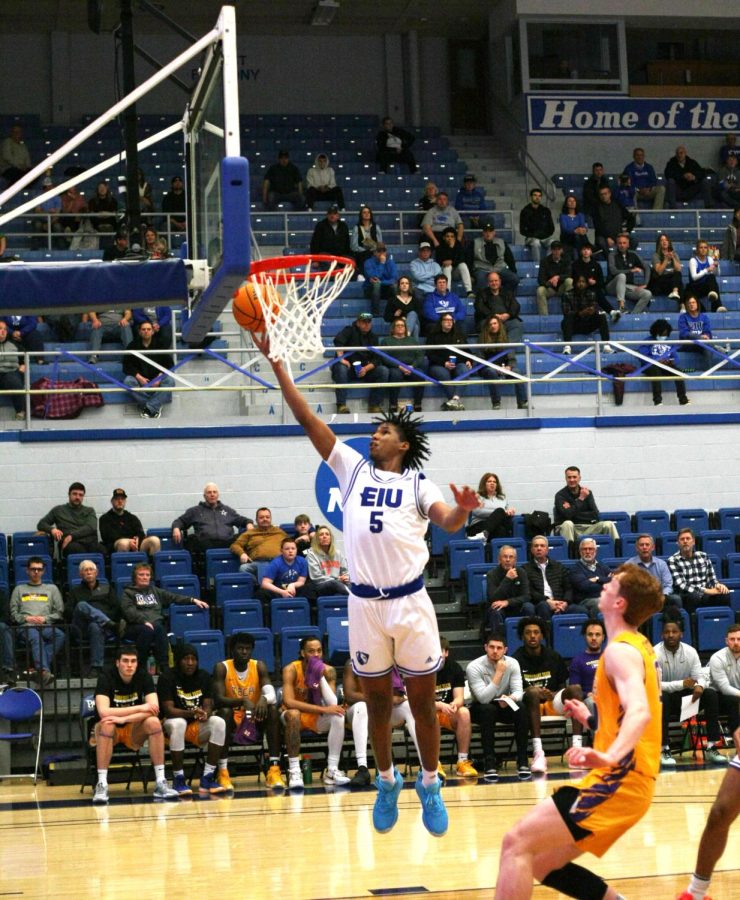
point(386, 507)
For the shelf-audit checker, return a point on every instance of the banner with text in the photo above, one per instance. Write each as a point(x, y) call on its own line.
point(578, 114)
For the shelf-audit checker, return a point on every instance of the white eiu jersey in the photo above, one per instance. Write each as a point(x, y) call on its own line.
point(385, 519)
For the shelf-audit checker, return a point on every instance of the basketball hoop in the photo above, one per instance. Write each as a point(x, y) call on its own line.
point(306, 289)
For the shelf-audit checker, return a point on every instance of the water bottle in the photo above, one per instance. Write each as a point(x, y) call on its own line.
point(306, 770)
point(453, 360)
point(357, 365)
point(151, 665)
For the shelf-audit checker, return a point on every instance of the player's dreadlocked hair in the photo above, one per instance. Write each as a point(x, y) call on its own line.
point(410, 431)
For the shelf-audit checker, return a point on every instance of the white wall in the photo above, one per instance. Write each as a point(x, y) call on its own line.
point(627, 468)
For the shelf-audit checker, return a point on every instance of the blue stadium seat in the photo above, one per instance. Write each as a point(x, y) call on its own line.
point(210, 646)
point(172, 562)
point(733, 565)
point(290, 640)
point(28, 543)
point(513, 641)
point(439, 538)
point(475, 582)
point(695, 519)
point(219, 561)
point(629, 539)
point(264, 647)
point(188, 617)
point(656, 627)
point(122, 564)
point(285, 612)
point(519, 544)
point(729, 519)
point(462, 554)
point(3, 546)
point(622, 520)
point(187, 585)
point(165, 538)
point(722, 543)
point(652, 521)
point(733, 584)
point(239, 586)
point(517, 523)
point(73, 565)
point(668, 543)
point(558, 548)
point(20, 563)
point(242, 615)
point(711, 627)
point(337, 629)
point(604, 544)
point(566, 634)
point(332, 605)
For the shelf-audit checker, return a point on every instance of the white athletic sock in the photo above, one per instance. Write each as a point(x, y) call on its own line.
point(362, 760)
point(536, 744)
point(428, 778)
point(359, 734)
point(327, 694)
point(461, 757)
point(577, 740)
point(223, 763)
point(274, 760)
point(387, 775)
point(178, 772)
point(334, 742)
point(103, 777)
point(159, 773)
point(698, 887)
point(208, 769)
point(294, 764)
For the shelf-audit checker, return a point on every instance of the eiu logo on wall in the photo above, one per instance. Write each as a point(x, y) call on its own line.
point(326, 486)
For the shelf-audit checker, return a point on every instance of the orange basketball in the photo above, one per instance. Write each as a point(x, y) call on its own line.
point(246, 307)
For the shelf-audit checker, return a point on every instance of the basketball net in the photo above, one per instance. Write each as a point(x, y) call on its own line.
point(293, 303)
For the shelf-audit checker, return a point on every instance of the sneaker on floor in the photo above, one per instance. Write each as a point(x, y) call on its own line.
point(523, 772)
point(495, 404)
point(441, 774)
point(222, 777)
point(46, 679)
point(687, 895)
point(156, 413)
point(385, 810)
point(714, 757)
point(721, 309)
point(274, 779)
point(539, 763)
point(465, 769)
point(523, 405)
point(181, 786)
point(446, 406)
point(658, 401)
point(674, 294)
point(145, 414)
point(470, 295)
point(295, 780)
point(666, 760)
point(615, 315)
point(361, 778)
point(209, 785)
point(456, 404)
point(490, 772)
point(162, 791)
point(101, 793)
point(335, 777)
point(684, 401)
point(567, 350)
point(20, 416)
point(713, 295)
point(433, 812)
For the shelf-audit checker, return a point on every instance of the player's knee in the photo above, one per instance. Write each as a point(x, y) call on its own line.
point(463, 716)
point(532, 696)
point(573, 692)
point(720, 814)
point(218, 730)
point(153, 727)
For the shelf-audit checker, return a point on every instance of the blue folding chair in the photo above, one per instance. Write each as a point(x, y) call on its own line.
point(28, 543)
point(3, 546)
point(519, 544)
point(264, 647)
point(734, 587)
point(21, 705)
point(629, 544)
point(337, 629)
point(188, 617)
point(621, 519)
point(20, 563)
point(513, 641)
point(733, 565)
point(229, 586)
point(172, 562)
point(166, 541)
point(439, 538)
point(475, 582)
point(729, 520)
point(519, 527)
point(242, 615)
point(711, 627)
point(210, 646)
point(73, 565)
point(695, 519)
point(604, 544)
point(122, 564)
point(462, 554)
point(331, 605)
point(652, 521)
point(220, 561)
point(290, 640)
point(719, 543)
point(558, 548)
point(566, 634)
point(187, 585)
point(668, 543)
point(285, 612)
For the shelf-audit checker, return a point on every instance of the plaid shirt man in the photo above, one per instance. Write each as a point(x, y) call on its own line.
point(693, 574)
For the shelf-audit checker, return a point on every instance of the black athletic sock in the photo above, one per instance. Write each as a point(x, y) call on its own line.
point(575, 881)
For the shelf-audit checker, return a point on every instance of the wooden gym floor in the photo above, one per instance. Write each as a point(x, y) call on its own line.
point(321, 844)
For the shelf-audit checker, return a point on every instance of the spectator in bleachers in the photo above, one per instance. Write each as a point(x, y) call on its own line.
point(404, 305)
point(452, 714)
point(576, 512)
point(119, 249)
point(71, 525)
point(15, 160)
point(493, 517)
point(310, 704)
point(493, 254)
point(427, 200)
point(728, 184)
point(472, 199)
point(359, 365)
point(37, 608)
point(665, 271)
point(303, 533)
point(703, 271)
point(142, 608)
point(586, 266)
point(493, 300)
point(440, 217)
point(588, 576)
point(549, 584)
point(581, 315)
point(321, 184)
point(693, 325)
point(492, 336)
point(212, 521)
point(393, 144)
point(423, 271)
point(536, 225)
point(23, 332)
point(327, 567)
point(646, 559)
point(141, 370)
point(122, 531)
point(546, 687)
point(659, 350)
point(681, 675)
point(644, 180)
point(686, 180)
point(364, 237)
point(285, 575)
point(398, 344)
point(46, 220)
point(693, 575)
point(728, 149)
point(381, 275)
point(625, 192)
point(507, 591)
point(450, 254)
point(441, 300)
point(186, 701)
point(573, 227)
point(591, 188)
point(245, 699)
point(582, 668)
point(554, 276)
point(103, 207)
point(611, 220)
point(146, 201)
point(444, 364)
point(282, 184)
point(109, 325)
point(731, 242)
point(495, 678)
point(331, 235)
point(8, 674)
point(173, 203)
point(260, 543)
point(74, 206)
point(94, 610)
point(11, 370)
point(724, 670)
point(155, 247)
point(625, 267)
point(160, 318)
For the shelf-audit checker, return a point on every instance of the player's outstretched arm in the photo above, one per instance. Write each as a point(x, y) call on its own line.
point(451, 518)
point(319, 433)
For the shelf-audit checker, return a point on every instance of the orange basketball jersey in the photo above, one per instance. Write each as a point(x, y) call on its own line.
point(247, 687)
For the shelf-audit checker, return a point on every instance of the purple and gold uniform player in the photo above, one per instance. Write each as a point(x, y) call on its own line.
point(387, 505)
point(592, 814)
point(582, 669)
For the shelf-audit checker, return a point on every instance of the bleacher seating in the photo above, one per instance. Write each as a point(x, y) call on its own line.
point(187, 585)
point(188, 617)
point(210, 646)
point(241, 615)
point(333, 605)
point(239, 586)
point(711, 627)
point(285, 612)
point(73, 565)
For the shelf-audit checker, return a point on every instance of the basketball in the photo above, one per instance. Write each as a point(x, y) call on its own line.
point(246, 307)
